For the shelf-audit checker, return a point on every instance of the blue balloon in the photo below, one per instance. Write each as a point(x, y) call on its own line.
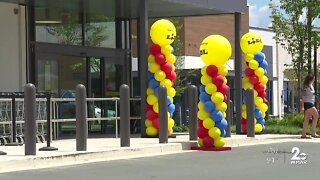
point(265, 72)
point(153, 83)
point(244, 99)
point(257, 113)
point(204, 97)
point(156, 91)
point(263, 127)
point(171, 108)
point(261, 121)
point(202, 88)
point(263, 64)
point(150, 76)
point(171, 114)
point(259, 56)
point(222, 125)
point(216, 115)
point(209, 106)
point(223, 133)
point(172, 50)
point(168, 100)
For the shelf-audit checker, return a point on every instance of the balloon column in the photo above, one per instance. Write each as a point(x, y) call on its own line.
point(255, 77)
point(215, 51)
point(161, 72)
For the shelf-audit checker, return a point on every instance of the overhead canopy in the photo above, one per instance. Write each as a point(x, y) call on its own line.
point(129, 9)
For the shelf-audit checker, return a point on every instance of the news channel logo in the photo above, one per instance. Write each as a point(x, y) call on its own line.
point(295, 156)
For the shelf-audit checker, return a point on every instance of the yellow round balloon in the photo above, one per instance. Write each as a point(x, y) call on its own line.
point(264, 79)
point(170, 123)
point(167, 83)
point(258, 101)
point(171, 59)
point(222, 107)
point(244, 114)
point(219, 142)
point(247, 85)
point(215, 50)
point(259, 72)
point(201, 105)
point(252, 43)
point(156, 107)
point(255, 93)
point(170, 131)
point(173, 67)
point(148, 123)
point(152, 99)
point(206, 80)
point(151, 58)
point(203, 115)
point(253, 64)
point(151, 131)
point(200, 142)
point(210, 88)
point(172, 93)
point(224, 114)
point(160, 75)
point(163, 32)
point(214, 132)
point(258, 128)
point(208, 123)
point(222, 70)
point(166, 50)
point(150, 91)
point(225, 80)
point(245, 79)
point(244, 107)
point(217, 97)
point(264, 107)
point(204, 71)
point(249, 57)
point(154, 67)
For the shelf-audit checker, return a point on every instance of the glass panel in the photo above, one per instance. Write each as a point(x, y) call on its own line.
point(113, 79)
point(48, 76)
point(58, 22)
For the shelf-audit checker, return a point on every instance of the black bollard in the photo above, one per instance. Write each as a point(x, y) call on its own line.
point(250, 113)
point(81, 118)
point(48, 147)
point(193, 112)
point(229, 118)
point(124, 115)
point(163, 115)
point(30, 119)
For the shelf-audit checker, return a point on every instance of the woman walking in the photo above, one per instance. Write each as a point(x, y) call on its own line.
point(310, 111)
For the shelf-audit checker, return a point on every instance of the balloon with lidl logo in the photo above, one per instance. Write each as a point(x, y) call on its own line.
point(252, 43)
point(163, 32)
point(215, 50)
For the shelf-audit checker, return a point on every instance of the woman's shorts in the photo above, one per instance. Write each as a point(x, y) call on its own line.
point(308, 105)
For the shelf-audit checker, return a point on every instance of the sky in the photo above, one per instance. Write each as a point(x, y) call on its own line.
point(260, 12)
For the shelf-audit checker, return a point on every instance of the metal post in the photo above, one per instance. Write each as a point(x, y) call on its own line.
point(250, 113)
point(81, 118)
point(49, 132)
point(229, 118)
point(30, 119)
point(193, 114)
point(315, 66)
point(163, 115)
point(125, 115)
point(143, 54)
point(238, 72)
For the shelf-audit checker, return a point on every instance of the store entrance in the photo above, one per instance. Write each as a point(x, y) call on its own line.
point(60, 68)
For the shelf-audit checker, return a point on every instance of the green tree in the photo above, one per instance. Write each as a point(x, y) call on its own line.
point(293, 31)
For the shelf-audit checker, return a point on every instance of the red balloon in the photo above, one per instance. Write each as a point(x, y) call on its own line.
point(247, 63)
point(249, 72)
point(218, 80)
point(167, 67)
point(152, 115)
point(253, 79)
point(265, 101)
point(212, 70)
point(223, 89)
point(160, 59)
point(244, 128)
point(262, 94)
point(155, 123)
point(200, 123)
point(155, 49)
point(208, 141)
point(243, 121)
point(259, 87)
point(172, 76)
point(225, 98)
point(202, 132)
point(149, 107)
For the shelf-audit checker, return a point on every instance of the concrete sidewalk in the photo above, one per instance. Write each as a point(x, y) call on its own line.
point(104, 149)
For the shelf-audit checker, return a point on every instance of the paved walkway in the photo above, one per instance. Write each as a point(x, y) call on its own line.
point(104, 149)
